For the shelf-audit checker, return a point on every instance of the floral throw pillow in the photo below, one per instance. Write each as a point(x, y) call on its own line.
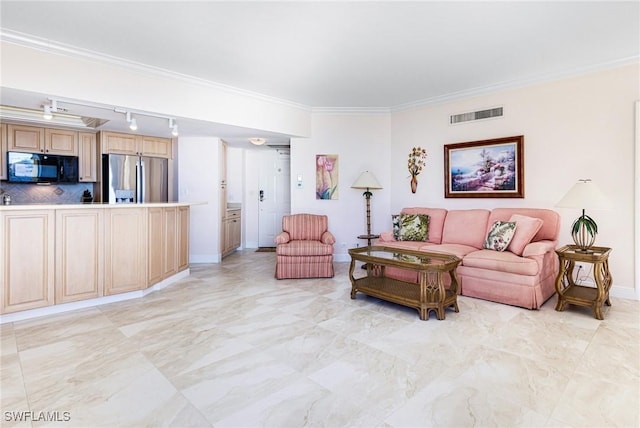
point(413, 227)
point(395, 222)
point(500, 235)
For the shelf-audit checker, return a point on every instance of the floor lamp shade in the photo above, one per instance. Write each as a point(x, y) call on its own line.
point(584, 195)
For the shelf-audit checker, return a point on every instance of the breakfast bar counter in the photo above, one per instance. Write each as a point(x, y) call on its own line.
point(61, 254)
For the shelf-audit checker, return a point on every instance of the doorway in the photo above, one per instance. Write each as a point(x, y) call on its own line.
point(274, 194)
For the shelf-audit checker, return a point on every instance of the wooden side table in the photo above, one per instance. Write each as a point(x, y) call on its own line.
point(571, 293)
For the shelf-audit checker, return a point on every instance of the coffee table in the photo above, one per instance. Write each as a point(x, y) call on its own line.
point(428, 294)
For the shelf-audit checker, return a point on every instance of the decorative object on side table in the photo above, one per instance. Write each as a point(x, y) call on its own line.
point(417, 160)
point(368, 182)
point(584, 194)
point(569, 292)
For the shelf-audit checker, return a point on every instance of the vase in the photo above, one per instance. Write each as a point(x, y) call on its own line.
point(414, 184)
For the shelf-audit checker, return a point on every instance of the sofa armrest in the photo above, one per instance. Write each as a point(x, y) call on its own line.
point(538, 248)
point(387, 236)
point(328, 238)
point(282, 238)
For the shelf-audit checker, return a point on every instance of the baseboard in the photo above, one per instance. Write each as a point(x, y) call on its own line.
point(90, 303)
point(624, 293)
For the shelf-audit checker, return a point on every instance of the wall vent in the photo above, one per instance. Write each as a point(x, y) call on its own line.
point(475, 115)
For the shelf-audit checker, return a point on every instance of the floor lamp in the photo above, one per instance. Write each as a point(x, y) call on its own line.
point(368, 182)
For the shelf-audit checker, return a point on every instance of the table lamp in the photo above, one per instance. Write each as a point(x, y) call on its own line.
point(367, 181)
point(584, 195)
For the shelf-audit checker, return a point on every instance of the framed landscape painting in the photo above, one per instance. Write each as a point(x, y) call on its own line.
point(485, 169)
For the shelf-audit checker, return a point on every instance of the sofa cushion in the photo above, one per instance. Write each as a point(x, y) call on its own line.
point(526, 229)
point(304, 248)
point(436, 221)
point(466, 227)
point(550, 229)
point(504, 261)
point(407, 245)
point(458, 250)
point(499, 235)
point(413, 227)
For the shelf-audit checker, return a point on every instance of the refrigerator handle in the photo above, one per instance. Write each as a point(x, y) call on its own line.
point(141, 183)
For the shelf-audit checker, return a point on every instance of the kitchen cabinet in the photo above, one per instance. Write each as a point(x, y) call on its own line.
point(125, 260)
point(33, 139)
point(155, 247)
point(232, 231)
point(27, 265)
point(156, 147)
point(87, 157)
point(3, 151)
point(183, 238)
point(167, 252)
point(128, 144)
point(79, 255)
point(61, 142)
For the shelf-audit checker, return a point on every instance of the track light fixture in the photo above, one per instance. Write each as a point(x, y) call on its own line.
point(133, 125)
point(174, 127)
point(49, 109)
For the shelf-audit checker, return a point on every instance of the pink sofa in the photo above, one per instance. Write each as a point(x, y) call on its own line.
point(522, 275)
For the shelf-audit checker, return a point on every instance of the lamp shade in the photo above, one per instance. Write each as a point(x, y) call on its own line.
point(585, 195)
point(366, 181)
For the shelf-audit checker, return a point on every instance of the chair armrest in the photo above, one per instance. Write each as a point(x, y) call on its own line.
point(538, 248)
point(387, 236)
point(282, 238)
point(328, 238)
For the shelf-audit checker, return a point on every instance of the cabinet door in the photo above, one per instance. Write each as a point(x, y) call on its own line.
point(61, 142)
point(123, 144)
point(3, 151)
point(21, 138)
point(156, 244)
point(87, 157)
point(125, 249)
point(170, 223)
point(183, 238)
point(235, 231)
point(27, 266)
point(79, 254)
point(156, 147)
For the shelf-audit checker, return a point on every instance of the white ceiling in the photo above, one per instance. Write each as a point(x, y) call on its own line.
point(346, 54)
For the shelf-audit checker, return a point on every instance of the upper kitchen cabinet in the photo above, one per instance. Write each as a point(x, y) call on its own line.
point(33, 139)
point(87, 157)
point(156, 147)
point(128, 144)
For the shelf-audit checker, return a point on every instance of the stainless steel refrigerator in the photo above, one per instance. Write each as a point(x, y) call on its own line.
point(131, 179)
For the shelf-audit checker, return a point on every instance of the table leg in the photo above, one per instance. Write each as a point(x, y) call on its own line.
point(351, 277)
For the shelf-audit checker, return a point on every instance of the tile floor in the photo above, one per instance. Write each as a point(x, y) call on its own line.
point(231, 346)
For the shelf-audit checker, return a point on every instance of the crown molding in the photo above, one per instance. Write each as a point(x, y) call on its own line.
point(34, 42)
point(513, 84)
point(45, 45)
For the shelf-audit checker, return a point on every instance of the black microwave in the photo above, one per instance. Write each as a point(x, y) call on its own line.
point(41, 168)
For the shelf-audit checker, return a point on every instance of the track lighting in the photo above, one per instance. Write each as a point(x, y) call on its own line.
point(174, 127)
point(47, 113)
point(49, 109)
point(133, 125)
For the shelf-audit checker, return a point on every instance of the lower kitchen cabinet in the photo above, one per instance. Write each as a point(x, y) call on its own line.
point(125, 250)
point(27, 265)
point(183, 238)
point(232, 231)
point(79, 254)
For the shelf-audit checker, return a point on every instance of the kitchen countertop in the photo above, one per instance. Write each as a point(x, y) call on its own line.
point(50, 206)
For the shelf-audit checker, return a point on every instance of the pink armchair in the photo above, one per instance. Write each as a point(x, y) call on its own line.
point(304, 248)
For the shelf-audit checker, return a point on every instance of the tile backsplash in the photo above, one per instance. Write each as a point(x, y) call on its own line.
point(51, 193)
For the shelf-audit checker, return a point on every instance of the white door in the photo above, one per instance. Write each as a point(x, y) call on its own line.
point(274, 194)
